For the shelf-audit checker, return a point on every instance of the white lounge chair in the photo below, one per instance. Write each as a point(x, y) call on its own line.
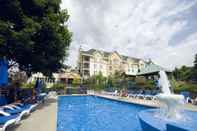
point(52, 94)
point(150, 97)
point(24, 112)
point(115, 93)
point(29, 109)
point(15, 120)
point(7, 123)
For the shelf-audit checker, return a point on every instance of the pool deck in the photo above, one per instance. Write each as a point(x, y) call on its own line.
point(44, 118)
point(151, 103)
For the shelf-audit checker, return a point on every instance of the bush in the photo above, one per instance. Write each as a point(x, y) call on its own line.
point(58, 86)
point(76, 82)
point(31, 85)
point(96, 82)
point(143, 83)
point(28, 85)
point(44, 88)
point(185, 86)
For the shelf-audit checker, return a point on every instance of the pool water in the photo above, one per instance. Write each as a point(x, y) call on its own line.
point(91, 113)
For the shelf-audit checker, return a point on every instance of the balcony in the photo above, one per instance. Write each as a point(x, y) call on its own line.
point(86, 59)
point(86, 65)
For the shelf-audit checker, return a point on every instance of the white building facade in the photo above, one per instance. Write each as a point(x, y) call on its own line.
point(92, 62)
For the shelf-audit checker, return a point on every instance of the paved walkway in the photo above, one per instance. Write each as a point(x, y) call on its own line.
point(43, 119)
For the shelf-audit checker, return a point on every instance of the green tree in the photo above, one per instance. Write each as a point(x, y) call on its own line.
point(176, 73)
point(34, 34)
point(97, 82)
point(184, 73)
point(195, 61)
point(194, 70)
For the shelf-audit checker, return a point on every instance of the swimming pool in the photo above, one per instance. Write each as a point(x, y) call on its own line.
point(91, 113)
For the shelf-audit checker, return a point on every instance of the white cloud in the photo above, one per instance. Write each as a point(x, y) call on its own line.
point(182, 54)
point(135, 28)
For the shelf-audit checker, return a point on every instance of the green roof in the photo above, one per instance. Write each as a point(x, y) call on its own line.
point(151, 69)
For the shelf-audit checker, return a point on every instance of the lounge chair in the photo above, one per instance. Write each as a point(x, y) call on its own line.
point(115, 93)
point(187, 97)
point(19, 113)
point(132, 94)
point(6, 121)
point(150, 97)
point(41, 98)
point(52, 95)
point(22, 107)
point(140, 94)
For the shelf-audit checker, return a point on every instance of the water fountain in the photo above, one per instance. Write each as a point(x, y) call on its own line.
point(170, 102)
point(170, 116)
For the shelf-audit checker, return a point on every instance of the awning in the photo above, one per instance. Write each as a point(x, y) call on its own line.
point(151, 69)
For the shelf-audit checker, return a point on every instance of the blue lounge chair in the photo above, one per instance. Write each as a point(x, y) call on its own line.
point(19, 107)
point(9, 112)
point(6, 121)
point(29, 107)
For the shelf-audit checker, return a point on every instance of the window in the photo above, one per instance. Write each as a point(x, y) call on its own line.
point(86, 65)
point(86, 58)
point(116, 61)
point(86, 72)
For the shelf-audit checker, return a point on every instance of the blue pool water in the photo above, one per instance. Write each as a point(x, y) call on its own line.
point(91, 113)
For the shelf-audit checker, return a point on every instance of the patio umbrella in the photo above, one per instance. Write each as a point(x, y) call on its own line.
point(3, 72)
point(38, 88)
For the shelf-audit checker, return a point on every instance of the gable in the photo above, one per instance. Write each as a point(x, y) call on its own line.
point(115, 55)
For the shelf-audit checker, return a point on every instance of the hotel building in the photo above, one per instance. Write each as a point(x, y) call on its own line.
point(93, 61)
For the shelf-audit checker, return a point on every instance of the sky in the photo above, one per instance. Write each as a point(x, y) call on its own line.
point(161, 30)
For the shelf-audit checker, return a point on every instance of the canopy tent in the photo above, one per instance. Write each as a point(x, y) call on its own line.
point(3, 72)
point(151, 69)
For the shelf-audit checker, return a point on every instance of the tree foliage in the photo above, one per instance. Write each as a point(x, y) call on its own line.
point(97, 82)
point(195, 62)
point(186, 73)
point(118, 81)
point(33, 34)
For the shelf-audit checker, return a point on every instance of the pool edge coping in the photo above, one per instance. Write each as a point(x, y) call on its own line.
point(110, 98)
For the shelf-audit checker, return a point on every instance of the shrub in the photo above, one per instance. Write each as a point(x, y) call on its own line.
point(185, 86)
point(58, 86)
point(96, 82)
point(144, 83)
point(28, 85)
point(75, 82)
point(44, 88)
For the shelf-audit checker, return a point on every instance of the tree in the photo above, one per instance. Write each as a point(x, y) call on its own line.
point(34, 35)
point(176, 73)
point(194, 70)
point(97, 82)
point(195, 61)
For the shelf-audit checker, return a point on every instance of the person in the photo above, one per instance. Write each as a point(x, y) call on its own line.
point(124, 93)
